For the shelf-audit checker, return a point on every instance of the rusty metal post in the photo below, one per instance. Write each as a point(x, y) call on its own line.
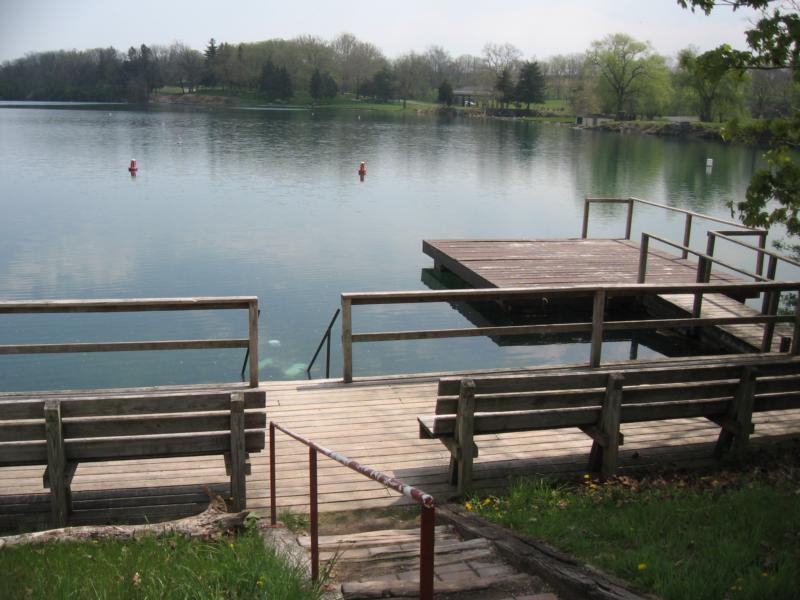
point(427, 530)
point(273, 509)
point(314, 517)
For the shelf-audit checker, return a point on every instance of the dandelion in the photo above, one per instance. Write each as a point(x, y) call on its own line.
point(642, 566)
point(468, 505)
point(487, 502)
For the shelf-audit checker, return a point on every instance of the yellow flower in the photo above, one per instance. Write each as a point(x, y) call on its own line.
point(586, 476)
point(468, 505)
point(642, 566)
point(487, 502)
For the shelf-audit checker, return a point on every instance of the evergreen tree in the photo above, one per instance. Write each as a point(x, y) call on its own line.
point(315, 85)
point(382, 84)
point(209, 72)
point(446, 93)
point(530, 87)
point(505, 86)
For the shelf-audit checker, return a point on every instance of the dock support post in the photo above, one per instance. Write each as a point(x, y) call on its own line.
point(585, 228)
point(253, 343)
point(56, 462)
point(762, 243)
point(770, 306)
point(687, 234)
point(347, 340)
point(643, 250)
point(598, 311)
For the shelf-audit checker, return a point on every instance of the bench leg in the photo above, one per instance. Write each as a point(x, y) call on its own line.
point(465, 428)
point(56, 463)
point(238, 457)
point(740, 415)
point(603, 456)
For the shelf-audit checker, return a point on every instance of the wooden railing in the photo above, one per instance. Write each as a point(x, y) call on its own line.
point(249, 303)
point(687, 229)
point(598, 325)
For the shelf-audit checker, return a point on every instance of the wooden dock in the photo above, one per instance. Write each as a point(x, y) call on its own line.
point(372, 421)
point(530, 263)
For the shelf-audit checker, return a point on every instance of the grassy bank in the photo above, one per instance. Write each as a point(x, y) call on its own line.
point(174, 568)
point(727, 535)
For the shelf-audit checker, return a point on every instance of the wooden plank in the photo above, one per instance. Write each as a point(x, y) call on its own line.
point(129, 426)
point(56, 463)
point(113, 405)
point(126, 304)
point(122, 346)
point(465, 420)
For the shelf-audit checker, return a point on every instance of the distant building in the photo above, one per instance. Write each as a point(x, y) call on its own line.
point(591, 120)
point(472, 95)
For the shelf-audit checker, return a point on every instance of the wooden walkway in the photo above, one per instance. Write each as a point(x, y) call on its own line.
point(372, 421)
point(528, 263)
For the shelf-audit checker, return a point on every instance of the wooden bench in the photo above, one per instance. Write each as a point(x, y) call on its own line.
point(597, 401)
point(62, 430)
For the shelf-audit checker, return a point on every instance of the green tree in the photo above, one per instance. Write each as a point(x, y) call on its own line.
point(322, 86)
point(209, 70)
point(621, 63)
point(773, 195)
point(505, 87)
point(275, 83)
point(382, 85)
point(710, 78)
point(446, 93)
point(530, 87)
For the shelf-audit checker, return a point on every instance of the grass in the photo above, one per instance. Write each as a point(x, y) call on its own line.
point(170, 568)
point(730, 535)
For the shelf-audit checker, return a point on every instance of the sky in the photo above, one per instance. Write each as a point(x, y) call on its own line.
point(538, 28)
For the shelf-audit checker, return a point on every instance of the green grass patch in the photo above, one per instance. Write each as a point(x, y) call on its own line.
point(729, 535)
point(171, 568)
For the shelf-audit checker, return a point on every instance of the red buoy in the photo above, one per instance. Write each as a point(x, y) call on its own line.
point(362, 170)
point(133, 168)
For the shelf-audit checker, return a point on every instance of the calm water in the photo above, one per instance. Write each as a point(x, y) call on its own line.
point(268, 203)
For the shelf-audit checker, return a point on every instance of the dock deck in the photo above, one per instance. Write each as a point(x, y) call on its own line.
point(529, 263)
point(372, 421)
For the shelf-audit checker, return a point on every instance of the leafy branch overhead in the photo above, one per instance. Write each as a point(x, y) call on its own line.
point(773, 195)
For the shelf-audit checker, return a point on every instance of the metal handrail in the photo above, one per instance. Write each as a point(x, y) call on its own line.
point(598, 293)
point(426, 502)
point(326, 337)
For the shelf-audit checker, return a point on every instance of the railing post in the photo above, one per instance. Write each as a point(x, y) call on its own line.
point(273, 508)
point(711, 243)
point(427, 530)
point(687, 234)
point(643, 250)
point(762, 243)
point(796, 333)
point(312, 477)
point(253, 343)
point(629, 220)
point(585, 228)
point(328, 355)
point(598, 311)
point(770, 306)
point(347, 340)
point(703, 275)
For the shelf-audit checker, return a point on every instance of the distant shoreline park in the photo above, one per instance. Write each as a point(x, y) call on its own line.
point(618, 76)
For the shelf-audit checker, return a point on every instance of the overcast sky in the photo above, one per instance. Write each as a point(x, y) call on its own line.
point(540, 28)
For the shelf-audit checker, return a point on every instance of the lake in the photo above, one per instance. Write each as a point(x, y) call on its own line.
point(269, 203)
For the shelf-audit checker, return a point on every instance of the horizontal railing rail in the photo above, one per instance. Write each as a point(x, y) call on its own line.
point(249, 303)
point(426, 502)
point(689, 217)
point(599, 324)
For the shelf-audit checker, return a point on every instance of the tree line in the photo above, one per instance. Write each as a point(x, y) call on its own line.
point(617, 75)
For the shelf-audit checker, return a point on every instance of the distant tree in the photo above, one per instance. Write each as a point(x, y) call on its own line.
point(209, 71)
point(709, 77)
point(446, 93)
point(621, 64)
point(382, 85)
point(275, 83)
point(530, 87)
point(141, 73)
point(322, 86)
point(501, 58)
point(773, 93)
point(505, 87)
point(410, 76)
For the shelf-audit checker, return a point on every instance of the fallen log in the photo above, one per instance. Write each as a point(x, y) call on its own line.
point(213, 522)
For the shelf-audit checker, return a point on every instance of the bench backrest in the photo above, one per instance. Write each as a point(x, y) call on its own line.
point(526, 402)
point(144, 425)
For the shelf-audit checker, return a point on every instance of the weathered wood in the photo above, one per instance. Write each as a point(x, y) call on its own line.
point(609, 424)
point(214, 521)
point(122, 346)
point(347, 340)
point(253, 341)
point(237, 453)
point(126, 305)
point(744, 411)
point(56, 463)
point(598, 318)
point(465, 419)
